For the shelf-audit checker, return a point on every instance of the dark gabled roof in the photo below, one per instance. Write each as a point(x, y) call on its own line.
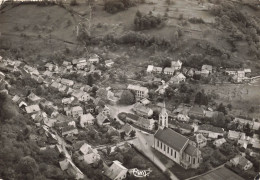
point(191, 150)
point(132, 116)
point(171, 138)
point(208, 127)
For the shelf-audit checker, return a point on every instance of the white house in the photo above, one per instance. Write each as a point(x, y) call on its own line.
point(86, 119)
point(176, 65)
point(140, 91)
point(116, 171)
point(219, 142)
point(169, 71)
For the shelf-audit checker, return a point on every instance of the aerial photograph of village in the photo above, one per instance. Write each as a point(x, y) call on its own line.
point(129, 89)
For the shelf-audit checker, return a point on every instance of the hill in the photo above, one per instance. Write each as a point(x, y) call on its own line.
point(197, 32)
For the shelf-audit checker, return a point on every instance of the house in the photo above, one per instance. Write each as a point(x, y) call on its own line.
point(153, 69)
point(22, 105)
point(31, 70)
point(71, 169)
point(116, 171)
point(90, 155)
point(39, 116)
point(49, 66)
point(184, 128)
point(67, 101)
point(176, 65)
point(140, 92)
point(78, 61)
point(231, 71)
point(89, 108)
point(104, 110)
point(81, 65)
point(178, 78)
point(102, 120)
point(56, 85)
point(256, 126)
point(69, 130)
point(190, 72)
point(204, 73)
point(76, 111)
point(182, 117)
point(86, 119)
point(145, 123)
point(109, 63)
point(145, 101)
point(127, 129)
point(207, 68)
point(94, 59)
point(199, 140)
point(234, 135)
point(243, 143)
point(48, 73)
point(16, 99)
point(211, 131)
point(63, 88)
point(66, 63)
point(81, 95)
point(243, 122)
point(32, 109)
point(168, 71)
point(197, 112)
point(241, 162)
point(33, 98)
point(142, 110)
point(219, 142)
point(67, 82)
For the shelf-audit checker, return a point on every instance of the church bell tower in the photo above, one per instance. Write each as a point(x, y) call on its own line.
point(163, 117)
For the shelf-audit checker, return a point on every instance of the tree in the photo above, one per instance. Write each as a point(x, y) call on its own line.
point(132, 134)
point(122, 134)
point(90, 80)
point(201, 98)
point(127, 98)
point(138, 14)
point(222, 108)
point(229, 106)
point(27, 165)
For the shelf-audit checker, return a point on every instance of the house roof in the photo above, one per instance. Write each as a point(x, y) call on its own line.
point(196, 110)
point(208, 127)
point(16, 98)
point(157, 69)
point(176, 63)
point(127, 128)
point(191, 150)
point(114, 170)
point(101, 118)
point(86, 117)
point(85, 148)
point(66, 81)
point(168, 69)
point(76, 108)
point(140, 107)
point(64, 165)
point(233, 134)
point(32, 108)
point(206, 67)
point(132, 116)
point(136, 87)
point(181, 125)
point(220, 141)
point(149, 68)
point(33, 97)
point(171, 138)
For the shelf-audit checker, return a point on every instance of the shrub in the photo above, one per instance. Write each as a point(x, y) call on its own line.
point(73, 3)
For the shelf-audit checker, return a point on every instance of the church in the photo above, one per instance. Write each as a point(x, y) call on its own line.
point(174, 145)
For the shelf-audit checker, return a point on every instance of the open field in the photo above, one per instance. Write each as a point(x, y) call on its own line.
point(242, 97)
point(221, 173)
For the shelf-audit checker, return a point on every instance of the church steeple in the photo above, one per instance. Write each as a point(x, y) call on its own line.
point(163, 117)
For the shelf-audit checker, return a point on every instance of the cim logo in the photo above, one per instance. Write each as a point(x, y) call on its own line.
point(141, 173)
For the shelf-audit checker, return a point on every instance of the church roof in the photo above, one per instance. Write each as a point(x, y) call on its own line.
point(171, 138)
